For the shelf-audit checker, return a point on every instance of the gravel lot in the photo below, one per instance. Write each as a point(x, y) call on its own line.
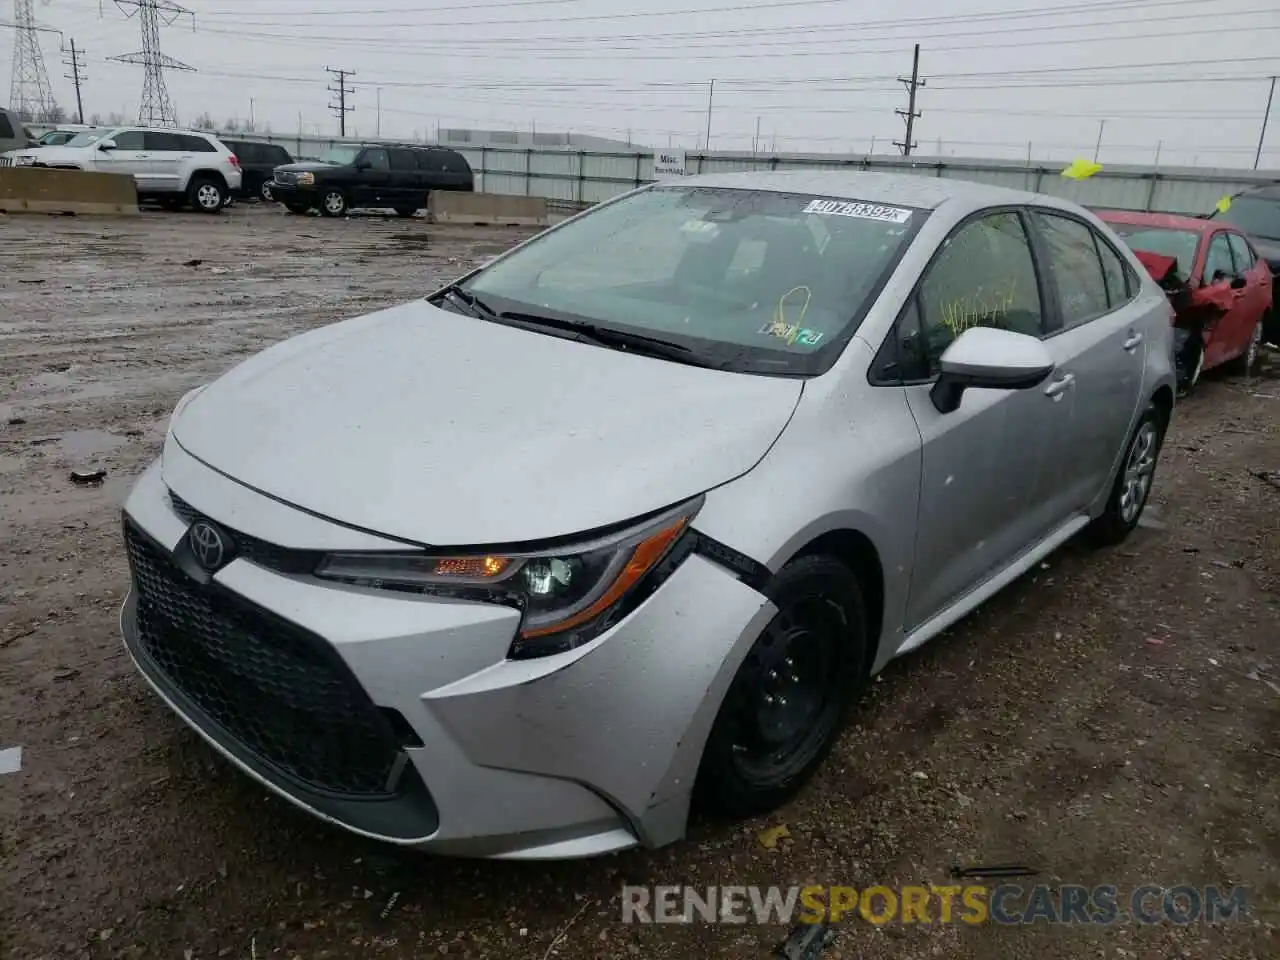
point(1112, 718)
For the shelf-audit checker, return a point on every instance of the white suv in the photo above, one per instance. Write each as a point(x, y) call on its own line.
point(172, 166)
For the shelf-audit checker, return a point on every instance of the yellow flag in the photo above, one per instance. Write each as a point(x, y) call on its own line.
point(1224, 204)
point(1081, 169)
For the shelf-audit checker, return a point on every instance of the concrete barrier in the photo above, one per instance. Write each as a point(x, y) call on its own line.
point(488, 208)
point(38, 190)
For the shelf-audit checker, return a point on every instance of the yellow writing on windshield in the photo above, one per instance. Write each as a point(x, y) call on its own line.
point(986, 306)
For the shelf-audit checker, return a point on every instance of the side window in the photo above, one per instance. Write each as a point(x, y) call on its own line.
point(377, 158)
point(1218, 260)
point(403, 160)
point(158, 142)
point(6, 128)
point(1077, 269)
point(1240, 251)
point(456, 163)
point(279, 156)
point(129, 140)
point(984, 276)
point(1119, 291)
point(194, 144)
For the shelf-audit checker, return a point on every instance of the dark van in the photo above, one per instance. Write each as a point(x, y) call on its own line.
point(389, 176)
point(258, 162)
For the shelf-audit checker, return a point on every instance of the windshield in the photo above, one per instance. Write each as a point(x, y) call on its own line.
point(86, 139)
point(55, 137)
point(1179, 244)
point(1259, 216)
point(341, 155)
point(746, 280)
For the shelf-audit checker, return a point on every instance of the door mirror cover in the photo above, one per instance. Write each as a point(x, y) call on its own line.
point(991, 359)
point(106, 144)
point(1238, 283)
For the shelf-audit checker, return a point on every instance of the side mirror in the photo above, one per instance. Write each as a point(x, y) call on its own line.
point(363, 165)
point(990, 359)
point(106, 144)
point(1238, 283)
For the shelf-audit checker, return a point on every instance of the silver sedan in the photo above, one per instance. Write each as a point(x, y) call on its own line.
point(622, 522)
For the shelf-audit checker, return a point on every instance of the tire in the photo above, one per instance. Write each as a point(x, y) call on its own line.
point(1133, 481)
point(813, 652)
point(1243, 364)
point(207, 195)
point(406, 212)
point(264, 192)
point(299, 208)
point(333, 202)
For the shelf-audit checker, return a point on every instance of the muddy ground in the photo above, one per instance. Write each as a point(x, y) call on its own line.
point(1112, 718)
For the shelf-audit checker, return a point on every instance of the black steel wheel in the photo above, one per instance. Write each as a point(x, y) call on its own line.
point(786, 706)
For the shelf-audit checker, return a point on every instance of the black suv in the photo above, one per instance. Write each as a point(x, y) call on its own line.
point(1257, 213)
point(396, 176)
point(257, 163)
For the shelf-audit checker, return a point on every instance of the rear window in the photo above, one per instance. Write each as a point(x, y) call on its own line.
point(747, 280)
point(1179, 244)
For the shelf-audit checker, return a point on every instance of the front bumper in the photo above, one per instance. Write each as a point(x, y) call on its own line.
point(292, 192)
point(575, 754)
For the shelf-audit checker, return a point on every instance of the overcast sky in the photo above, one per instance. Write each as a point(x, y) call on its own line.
point(816, 74)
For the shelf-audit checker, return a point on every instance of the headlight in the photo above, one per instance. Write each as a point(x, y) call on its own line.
point(568, 595)
point(306, 179)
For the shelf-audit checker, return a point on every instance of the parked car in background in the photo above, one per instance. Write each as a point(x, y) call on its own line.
point(257, 164)
point(393, 176)
point(13, 134)
point(174, 167)
point(1257, 213)
point(1220, 288)
point(626, 519)
point(63, 134)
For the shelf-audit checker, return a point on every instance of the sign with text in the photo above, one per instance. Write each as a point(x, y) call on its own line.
point(668, 163)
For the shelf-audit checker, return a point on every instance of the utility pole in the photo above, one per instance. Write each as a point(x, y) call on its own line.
point(873, 147)
point(1265, 117)
point(340, 109)
point(1159, 147)
point(76, 76)
point(155, 109)
point(911, 113)
point(30, 93)
point(252, 116)
point(755, 143)
point(711, 92)
point(1102, 125)
point(379, 126)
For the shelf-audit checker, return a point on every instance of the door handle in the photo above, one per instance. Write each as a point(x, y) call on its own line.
point(1060, 386)
point(1133, 341)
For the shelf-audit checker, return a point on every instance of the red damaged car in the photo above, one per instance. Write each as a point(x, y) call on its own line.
point(1219, 287)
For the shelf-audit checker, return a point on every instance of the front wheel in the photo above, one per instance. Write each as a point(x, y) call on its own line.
point(333, 203)
point(786, 706)
point(1133, 483)
point(264, 191)
point(207, 195)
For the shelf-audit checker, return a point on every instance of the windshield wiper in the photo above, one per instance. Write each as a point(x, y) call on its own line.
point(470, 302)
point(606, 336)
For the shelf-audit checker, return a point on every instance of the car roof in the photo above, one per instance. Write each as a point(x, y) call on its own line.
point(911, 190)
point(1164, 221)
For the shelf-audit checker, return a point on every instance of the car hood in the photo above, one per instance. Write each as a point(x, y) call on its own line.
point(45, 154)
point(306, 166)
point(446, 430)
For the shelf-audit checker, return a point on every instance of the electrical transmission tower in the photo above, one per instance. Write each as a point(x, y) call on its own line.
point(74, 60)
point(911, 113)
point(29, 92)
point(340, 108)
point(156, 109)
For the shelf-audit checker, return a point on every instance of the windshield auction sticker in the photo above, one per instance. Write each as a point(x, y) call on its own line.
point(862, 211)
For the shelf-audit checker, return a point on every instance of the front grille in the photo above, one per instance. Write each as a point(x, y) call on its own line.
point(272, 688)
point(5, 161)
point(264, 554)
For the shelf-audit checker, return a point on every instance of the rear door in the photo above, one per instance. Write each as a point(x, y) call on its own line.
point(1254, 298)
point(1099, 342)
point(984, 486)
point(169, 158)
point(407, 181)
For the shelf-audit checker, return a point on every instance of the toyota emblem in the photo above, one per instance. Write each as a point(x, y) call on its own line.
point(208, 544)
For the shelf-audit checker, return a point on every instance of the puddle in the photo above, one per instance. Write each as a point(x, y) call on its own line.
point(87, 444)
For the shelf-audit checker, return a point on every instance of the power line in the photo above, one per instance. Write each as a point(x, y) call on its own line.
point(29, 91)
point(341, 109)
point(73, 60)
point(911, 113)
point(155, 109)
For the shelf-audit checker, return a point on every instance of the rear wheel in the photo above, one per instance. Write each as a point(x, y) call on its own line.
point(333, 203)
point(1133, 483)
point(297, 207)
point(787, 703)
point(207, 195)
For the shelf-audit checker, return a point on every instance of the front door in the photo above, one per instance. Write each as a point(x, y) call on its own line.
point(129, 157)
point(373, 179)
point(1219, 271)
point(1099, 345)
point(1254, 298)
point(984, 473)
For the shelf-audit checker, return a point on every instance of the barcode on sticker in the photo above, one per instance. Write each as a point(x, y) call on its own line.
point(863, 211)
